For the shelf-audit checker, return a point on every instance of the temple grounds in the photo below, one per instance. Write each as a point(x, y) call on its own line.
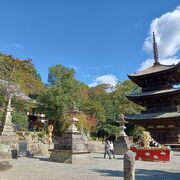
point(38, 168)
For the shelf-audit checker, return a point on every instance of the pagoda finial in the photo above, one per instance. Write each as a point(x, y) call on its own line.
point(155, 50)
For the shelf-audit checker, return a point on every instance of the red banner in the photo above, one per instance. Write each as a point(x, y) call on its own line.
point(152, 154)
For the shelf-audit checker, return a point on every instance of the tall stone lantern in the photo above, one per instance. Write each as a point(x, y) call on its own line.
point(8, 138)
point(122, 125)
point(73, 120)
point(122, 142)
point(8, 129)
point(72, 147)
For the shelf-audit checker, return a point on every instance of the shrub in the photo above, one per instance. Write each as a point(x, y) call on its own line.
point(137, 132)
point(20, 119)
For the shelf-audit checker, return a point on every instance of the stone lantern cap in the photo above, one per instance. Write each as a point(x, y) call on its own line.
point(122, 125)
point(74, 110)
point(73, 120)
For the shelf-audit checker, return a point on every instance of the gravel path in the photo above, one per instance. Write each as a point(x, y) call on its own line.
point(39, 168)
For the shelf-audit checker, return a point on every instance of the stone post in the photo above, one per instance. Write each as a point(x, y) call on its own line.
point(129, 170)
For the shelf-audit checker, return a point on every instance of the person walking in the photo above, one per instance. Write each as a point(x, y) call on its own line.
point(111, 148)
point(107, 149)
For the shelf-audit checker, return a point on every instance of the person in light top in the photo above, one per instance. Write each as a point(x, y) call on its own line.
point(107, 149)
point(111, 148)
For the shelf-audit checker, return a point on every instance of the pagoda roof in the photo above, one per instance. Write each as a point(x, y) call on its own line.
point(156, 72)
point(152, 93)
point(155, 69)
point(150, 116)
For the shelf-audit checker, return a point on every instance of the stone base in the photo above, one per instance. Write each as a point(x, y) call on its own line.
point(121, 145)
point(8, 130)
point(8, 147)
point(66, 156)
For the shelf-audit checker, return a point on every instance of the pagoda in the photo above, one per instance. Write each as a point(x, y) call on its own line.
point(160, 95)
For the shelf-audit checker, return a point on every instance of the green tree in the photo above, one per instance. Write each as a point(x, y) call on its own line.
point(63, 89)
point(59, 74)
point(137, 132)
point(95, 107)
point(121, 104)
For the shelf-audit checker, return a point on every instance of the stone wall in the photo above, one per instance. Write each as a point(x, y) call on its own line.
point(38, 148)
point(96, 146)
point(8, 147)
point(36, 145)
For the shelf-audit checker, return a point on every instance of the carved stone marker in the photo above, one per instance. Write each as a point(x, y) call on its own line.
point(129, 160)
point(22, 148)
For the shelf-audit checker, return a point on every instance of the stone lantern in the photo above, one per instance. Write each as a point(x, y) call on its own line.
point(72, 147)
point(122, 125)
point(122, 142)
point(73, 120)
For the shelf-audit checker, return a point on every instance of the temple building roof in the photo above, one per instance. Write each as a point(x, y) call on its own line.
point(152, 93)
point(158, 115)
point(157, 73)
point(154, 69)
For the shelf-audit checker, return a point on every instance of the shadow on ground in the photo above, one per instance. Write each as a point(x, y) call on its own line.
point(144, 174)
point(108, 158)
point(4, 165)
point(113, 173)
point(40, 158)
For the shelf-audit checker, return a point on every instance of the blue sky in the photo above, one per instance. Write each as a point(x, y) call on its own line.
point(105, 39)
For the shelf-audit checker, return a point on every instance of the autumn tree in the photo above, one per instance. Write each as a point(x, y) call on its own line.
point(19, 79)
point(21, 72)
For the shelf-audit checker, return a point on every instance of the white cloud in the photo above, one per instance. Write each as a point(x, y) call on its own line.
point(110, 79)
point(167, 32)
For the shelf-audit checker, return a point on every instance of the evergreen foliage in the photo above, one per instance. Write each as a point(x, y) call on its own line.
point(20, 119)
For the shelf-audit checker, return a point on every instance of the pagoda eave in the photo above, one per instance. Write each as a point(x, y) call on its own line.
point(172, 71)
point(154, 70)
point(174, 91)
point(153, 116)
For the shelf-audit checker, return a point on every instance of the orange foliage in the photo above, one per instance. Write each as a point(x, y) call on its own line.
point(92, 121)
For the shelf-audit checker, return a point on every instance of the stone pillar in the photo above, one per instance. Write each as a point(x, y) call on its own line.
point(129, 170)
